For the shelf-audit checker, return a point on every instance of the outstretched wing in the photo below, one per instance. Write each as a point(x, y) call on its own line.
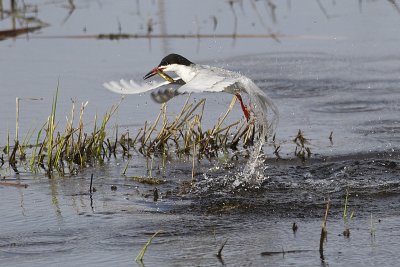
point(131, 87)
point(206, 80)
point(209, 80)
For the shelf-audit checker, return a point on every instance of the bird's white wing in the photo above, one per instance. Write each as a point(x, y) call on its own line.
point(207, 80)
point(131, 87)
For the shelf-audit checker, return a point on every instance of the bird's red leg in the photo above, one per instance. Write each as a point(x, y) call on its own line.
point(243, 106)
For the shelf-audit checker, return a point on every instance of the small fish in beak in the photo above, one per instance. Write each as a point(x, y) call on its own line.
point(160, 72)
point(165, 76)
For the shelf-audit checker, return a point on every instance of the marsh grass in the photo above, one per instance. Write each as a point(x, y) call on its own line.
point(184, 136)
point(346, 215)
point(139, 257)
point(79, 144)
point(61, 151)
point(66, 151)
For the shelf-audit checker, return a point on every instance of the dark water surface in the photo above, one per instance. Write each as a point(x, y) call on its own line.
point(336, 71)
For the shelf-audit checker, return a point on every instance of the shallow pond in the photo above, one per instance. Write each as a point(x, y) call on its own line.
point(333, 69)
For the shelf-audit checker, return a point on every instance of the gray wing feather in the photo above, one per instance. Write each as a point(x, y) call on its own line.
point(131, 87)
point(208, 81)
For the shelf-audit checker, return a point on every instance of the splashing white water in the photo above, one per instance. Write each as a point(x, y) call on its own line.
point(266, 118)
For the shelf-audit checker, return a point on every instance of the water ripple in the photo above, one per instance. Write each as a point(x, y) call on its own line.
point(348, 106)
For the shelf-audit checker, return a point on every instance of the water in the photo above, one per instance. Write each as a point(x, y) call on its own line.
point(333, 73)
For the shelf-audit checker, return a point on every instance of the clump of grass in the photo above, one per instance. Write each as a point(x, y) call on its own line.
point(184, 135)
point(63, 151)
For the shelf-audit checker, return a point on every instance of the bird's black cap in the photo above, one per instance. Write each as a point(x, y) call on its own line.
point(175, 59)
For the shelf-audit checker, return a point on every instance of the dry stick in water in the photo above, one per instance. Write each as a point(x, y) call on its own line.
point(91, 184)
point(16, 118)
point(324, 232)
point(194, 160)
point(219, 254)
point(91, 191)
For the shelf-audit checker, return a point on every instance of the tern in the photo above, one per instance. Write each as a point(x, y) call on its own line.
point(195, 78)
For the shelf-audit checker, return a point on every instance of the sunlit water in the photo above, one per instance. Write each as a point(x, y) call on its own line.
point(336, 73)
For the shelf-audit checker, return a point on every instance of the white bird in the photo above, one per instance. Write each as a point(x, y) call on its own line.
point(195, 78)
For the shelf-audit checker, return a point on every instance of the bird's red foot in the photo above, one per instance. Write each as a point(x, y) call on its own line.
point(243, 106)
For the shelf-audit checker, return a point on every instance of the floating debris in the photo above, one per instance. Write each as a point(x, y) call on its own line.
point(148, 180)
point(346, 233)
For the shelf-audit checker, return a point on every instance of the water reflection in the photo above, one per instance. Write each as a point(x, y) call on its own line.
point(54, 197)
point(161, 19)
point(71, 8)
point(23, 17)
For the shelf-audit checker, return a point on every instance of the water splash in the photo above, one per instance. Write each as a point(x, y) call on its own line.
point(266, 118)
